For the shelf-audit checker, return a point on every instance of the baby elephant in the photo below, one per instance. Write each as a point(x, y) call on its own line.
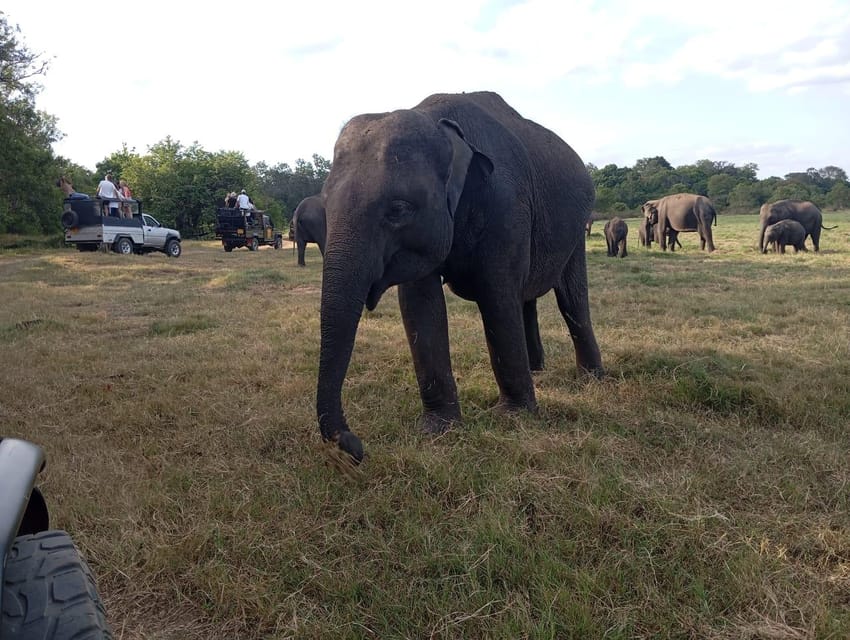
point(616, 231)
point(783, 233)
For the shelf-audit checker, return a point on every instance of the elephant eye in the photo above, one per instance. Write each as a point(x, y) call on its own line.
point(399, 211)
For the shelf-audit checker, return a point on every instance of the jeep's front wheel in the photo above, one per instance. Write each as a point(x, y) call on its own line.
point(173, 249)
point(48, 587)
point(255, 244)
point(278, 242)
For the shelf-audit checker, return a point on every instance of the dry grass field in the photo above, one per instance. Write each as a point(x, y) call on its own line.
point(700, 490)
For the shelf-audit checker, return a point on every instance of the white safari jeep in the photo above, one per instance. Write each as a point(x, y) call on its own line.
point(86, 227)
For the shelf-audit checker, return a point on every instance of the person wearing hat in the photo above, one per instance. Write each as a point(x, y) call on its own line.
point(243, 201)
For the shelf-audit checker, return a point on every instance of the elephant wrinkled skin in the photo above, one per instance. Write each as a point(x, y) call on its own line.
point(309, 224)
point(615, 231)
point(460, 190)
point(680, 212)
point(784, 233)
point(803, 211)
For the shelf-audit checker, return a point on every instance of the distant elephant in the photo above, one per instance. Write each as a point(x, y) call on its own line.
point(615, 231)
point(783, 233)
point(309, 223)
point(460, 190)
point(680, 212)
point(803, 211)
point(587, 226)
point(646, 240)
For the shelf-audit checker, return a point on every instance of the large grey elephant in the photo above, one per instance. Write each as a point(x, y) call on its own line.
point(459, 190)
point(680, 212)
point(803, 211)
point(784, 233)
point(616, 231)
point(309, 225)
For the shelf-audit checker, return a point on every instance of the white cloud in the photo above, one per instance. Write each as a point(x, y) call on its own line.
point(277, 80)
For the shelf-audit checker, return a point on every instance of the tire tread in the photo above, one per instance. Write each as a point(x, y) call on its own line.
point(49, 592)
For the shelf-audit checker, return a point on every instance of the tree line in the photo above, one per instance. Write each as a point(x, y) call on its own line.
point(732, 189)
point(182, 185)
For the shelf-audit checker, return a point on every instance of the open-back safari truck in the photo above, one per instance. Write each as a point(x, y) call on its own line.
point(245, 228)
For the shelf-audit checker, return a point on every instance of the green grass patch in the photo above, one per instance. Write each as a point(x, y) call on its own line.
point(699, 490)
point(182, 326)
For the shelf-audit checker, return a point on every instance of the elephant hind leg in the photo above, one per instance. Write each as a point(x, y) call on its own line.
point(504, 328)
point(532, 336)
point(571, 293)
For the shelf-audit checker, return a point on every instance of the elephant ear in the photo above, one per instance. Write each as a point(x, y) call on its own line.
point(468, 163)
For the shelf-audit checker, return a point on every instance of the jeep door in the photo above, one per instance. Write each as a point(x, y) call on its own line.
point(155, 235)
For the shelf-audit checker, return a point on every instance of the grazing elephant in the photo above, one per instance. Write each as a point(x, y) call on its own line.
point(459, 190)
point(309, 223)
point(588, 225)
point(783, 233)
point(615, 231)
point(680, 212)
point(803, 211)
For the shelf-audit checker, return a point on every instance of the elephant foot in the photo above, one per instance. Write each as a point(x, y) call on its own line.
point(433, 423)
point(508, 406)
point(348, 451)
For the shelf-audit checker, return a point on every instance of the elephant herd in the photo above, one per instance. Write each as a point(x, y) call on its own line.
point(462, 191)
point(781, 224)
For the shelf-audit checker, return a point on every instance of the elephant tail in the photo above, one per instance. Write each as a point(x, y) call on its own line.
point(828, 228)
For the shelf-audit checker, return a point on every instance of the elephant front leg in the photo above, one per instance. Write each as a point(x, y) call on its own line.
point(504, 330)
point(423, 309)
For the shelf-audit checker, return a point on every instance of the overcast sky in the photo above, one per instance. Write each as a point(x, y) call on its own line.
point(736, 80)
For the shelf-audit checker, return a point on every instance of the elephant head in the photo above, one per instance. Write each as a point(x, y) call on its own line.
point(650, 218)
point(390, 201)
point(770, 238)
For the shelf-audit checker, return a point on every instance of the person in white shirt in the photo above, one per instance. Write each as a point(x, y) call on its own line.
point(243, 201)
point(109, 192)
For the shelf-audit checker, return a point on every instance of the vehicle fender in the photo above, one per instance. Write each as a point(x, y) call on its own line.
point(20, 462)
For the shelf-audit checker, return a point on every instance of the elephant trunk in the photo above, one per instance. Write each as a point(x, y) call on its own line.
point(762, 248)
point(344, 290)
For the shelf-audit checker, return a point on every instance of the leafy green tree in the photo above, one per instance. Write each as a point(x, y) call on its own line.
point(29, 200)
point(744, 197)
point(605, 198)
point(182, 186)
point(791, 190)
point(652, 165)
point(839, 196)
point(720, 185)
point(832, 175)
point(694, 177)
point(289, 185)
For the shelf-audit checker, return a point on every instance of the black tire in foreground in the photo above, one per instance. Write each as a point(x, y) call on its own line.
point(50, 592)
